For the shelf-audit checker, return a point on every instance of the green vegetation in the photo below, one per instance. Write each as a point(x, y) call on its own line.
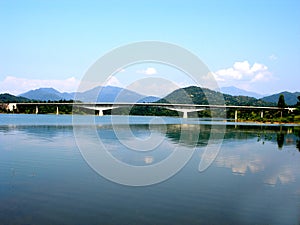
point(45, 109)
point(290, 98)
point(273, 116)
point(281, 102)
point(142, 110)
point(6, 98)
point(197, 95)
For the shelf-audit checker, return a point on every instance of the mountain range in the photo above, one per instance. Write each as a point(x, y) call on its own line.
point(197, 95)
point(105, 94)
point(289, 97)
point(117, 94)
point(45, 94)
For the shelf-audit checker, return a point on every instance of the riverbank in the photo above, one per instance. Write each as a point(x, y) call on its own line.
point(270, 122)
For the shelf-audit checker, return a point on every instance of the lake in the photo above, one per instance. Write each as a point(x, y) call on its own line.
point(45, 178)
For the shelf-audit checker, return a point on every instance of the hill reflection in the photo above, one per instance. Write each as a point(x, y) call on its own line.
point(268, 151)
point(194, 134)
point(283, 136)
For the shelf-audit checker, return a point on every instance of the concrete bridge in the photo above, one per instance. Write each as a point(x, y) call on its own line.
point(184, 108)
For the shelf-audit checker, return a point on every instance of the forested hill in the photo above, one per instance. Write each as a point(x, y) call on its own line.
point(6, 98)
point(197, 95)
point(290, 98)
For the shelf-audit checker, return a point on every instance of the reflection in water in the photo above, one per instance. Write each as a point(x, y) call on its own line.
point(283, 136)
point(193, 138)
point(280, 140)
point(244, 150)
point(239, 165)
point(284, 174)
point(44, 178)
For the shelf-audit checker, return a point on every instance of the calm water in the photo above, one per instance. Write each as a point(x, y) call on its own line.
point(255, 178)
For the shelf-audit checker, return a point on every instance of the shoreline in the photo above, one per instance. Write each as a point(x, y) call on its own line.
point(297, 123)
point(268, 122)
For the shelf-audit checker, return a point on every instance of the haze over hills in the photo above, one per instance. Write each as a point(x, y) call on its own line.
point(107, 94)
point(234, 91)
point(113, 94)
point(45, 94)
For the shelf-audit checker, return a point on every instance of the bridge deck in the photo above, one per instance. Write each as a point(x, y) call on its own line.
point(122, 104)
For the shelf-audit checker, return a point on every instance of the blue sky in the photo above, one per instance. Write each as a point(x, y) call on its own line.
point(250, 44)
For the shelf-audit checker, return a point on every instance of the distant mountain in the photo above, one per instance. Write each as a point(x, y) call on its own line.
point(231, 90)
point(149, 99)
point(113, 94)
point(105, 94)
point(7, 98)
point(290, 98)
point(199, 95)
point(45, 94)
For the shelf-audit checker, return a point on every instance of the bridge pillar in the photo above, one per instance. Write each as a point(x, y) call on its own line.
point(262, 114)
point(185, 115)
point(100, 112)
point(184, 111)
point(57, 111)
point(235, 115)
point(36, 109)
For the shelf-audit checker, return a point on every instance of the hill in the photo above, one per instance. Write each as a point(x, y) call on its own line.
point(45, 94)
point(199, 95)
point(290, 98)
point(7, 98)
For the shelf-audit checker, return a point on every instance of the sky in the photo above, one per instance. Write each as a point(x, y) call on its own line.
point(251, 44)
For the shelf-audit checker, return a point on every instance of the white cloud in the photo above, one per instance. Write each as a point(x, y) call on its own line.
point(242, 74)
point(242, 70)
point(230, 73)
point(113, 81)
point(148, 71)
point(258, 68)
point(243, 67)
point(16, 86)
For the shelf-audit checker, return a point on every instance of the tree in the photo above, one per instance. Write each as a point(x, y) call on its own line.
point(281, 101)
point(298, 103)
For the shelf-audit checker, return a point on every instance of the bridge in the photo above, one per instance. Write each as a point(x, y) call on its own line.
point(184, 108)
